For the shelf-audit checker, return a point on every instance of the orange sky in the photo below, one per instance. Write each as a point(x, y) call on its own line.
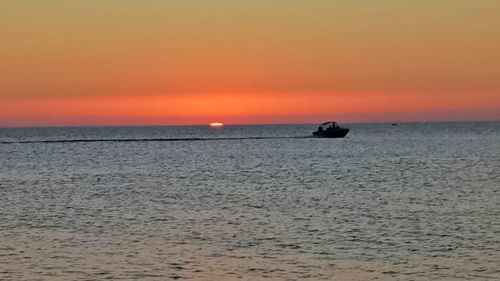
point(193, 62)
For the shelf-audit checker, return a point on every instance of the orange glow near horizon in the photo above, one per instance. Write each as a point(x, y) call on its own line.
point(228, 108)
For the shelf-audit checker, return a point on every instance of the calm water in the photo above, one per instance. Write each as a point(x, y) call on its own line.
point(407, 202)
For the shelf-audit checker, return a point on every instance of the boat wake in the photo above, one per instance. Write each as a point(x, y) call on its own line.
point(152, 140)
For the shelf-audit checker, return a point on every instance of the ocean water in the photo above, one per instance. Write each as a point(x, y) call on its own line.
point(417, 201)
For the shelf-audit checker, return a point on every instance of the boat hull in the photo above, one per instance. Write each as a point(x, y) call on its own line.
point(337, 133)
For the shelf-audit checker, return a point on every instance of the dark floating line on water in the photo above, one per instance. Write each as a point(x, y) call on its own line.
point(151, 140)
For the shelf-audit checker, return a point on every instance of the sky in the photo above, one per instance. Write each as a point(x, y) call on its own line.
point(180, 62)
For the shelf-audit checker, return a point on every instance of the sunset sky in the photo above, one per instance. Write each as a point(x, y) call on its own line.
point(144, 62)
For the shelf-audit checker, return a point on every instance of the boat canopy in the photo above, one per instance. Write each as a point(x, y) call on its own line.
point(329, 124)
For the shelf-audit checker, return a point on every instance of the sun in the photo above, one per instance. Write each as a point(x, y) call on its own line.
point(216, 125)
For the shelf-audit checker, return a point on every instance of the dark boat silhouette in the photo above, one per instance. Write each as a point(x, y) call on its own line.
point(330, 130)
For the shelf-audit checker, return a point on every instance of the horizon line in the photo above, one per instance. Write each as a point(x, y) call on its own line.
point(243, 124)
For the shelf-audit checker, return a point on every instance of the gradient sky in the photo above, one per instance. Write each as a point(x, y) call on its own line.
point(126, 62)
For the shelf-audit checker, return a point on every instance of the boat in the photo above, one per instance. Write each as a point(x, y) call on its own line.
point(330, 130)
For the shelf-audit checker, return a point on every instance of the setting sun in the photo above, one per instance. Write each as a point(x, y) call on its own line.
point(216, 125)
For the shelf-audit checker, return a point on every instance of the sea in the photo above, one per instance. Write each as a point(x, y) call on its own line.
point(407, 201)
